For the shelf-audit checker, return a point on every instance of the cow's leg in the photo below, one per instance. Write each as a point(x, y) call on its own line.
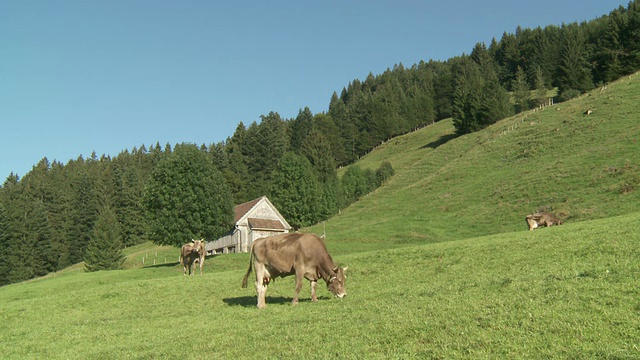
point(314, 283)
point(299, 278)
point(261, 287)
point(201, 265)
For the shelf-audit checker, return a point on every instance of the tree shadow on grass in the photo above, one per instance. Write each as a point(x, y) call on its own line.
point(169, 264)
point(441, 141)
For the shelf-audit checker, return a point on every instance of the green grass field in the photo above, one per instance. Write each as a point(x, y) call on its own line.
point(441, 264)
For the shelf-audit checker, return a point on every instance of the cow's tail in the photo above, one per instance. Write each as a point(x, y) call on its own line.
point(246, 276)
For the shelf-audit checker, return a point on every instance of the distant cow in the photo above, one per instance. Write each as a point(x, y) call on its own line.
point(542, 219)
point(191, 253)
point(304, 255)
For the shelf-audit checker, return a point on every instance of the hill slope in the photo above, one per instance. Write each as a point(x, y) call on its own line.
point(499, 291)
point(563, 292)
point(558, 159)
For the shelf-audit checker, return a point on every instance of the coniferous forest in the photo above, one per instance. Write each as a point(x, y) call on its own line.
point(89, 209)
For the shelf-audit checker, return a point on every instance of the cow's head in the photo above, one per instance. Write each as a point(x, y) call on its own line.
point(337, 282)
point(198, 245)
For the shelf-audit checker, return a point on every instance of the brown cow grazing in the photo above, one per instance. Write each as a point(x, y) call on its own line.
point(304, 255)
point(542, 218)
point(190, 253)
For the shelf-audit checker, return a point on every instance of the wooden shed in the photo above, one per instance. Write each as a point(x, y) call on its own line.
point(253, 220)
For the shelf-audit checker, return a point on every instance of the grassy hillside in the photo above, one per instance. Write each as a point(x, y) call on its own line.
point(563, 292)
point(498, 291)
point(559, 159)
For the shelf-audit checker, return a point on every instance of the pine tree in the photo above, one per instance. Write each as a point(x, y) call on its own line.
point(347, 129)
point(324, 124)
point(300, 128)
point(84, 211)
point(318, 152)
point(104, 251)
point(540, 89)
point(574, 71)
point(127, 205)
point(494, 100)
point(5, 245)
point(521, 91)
point(264, 145)
point(466, 101)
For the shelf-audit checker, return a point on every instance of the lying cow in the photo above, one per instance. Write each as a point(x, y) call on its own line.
point(542, 218)
point(304, 255)
point(190, 254)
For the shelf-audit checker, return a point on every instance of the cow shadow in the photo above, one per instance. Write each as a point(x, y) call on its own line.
point(251, 301)
point(441, 141)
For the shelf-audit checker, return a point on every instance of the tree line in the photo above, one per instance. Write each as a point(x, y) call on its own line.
point(89, 209)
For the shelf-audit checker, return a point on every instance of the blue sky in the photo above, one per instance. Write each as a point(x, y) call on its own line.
point(104, 76)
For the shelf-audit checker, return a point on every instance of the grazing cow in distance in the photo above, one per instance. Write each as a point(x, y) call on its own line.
point(191, 253)
point(542, 218)
point(304, 255)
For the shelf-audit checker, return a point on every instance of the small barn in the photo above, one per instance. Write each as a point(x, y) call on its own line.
point(253, 220)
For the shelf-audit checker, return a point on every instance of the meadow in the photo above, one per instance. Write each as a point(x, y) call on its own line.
point(441, 264)
point(561, 292)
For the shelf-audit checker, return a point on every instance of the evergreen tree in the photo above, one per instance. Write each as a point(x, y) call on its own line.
point(84, 211)
point(36, 243)
point(540, 89)
point(466, 101)
point(300, 129)
point(630, 38)
point(127, 204)
point(325, 125)
point(508, 57)
point(296, 191)
point(347, 128)
point(10, 199)
point(237, 171)
point(104, 251)
point(187, 198)
point(521, 92)
point(443, 88)
point(264, 145)
point(318, 151)
point(574, 69)
point(5, 245)
point(59, 210)
point(609, 49)
point(494, 99)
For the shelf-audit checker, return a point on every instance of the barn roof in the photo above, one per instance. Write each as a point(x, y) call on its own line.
point(265, 224)
point(242, 209)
